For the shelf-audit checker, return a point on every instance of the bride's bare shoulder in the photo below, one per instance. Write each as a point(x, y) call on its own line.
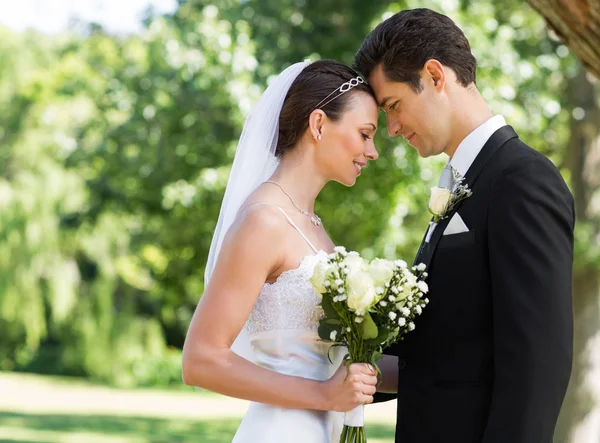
point(261, 217)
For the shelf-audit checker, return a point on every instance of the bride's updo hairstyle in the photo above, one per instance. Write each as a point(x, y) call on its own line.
point(324, 84)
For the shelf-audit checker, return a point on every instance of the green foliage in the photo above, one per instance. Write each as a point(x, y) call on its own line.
point(115, 153)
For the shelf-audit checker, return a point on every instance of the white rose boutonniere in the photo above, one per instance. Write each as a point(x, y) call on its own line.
point(439, 201)
point(443, 200)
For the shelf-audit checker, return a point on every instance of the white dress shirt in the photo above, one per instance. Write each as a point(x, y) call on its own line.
point(471, 145)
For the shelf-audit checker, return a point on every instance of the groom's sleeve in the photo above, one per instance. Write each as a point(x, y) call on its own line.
point(530, 238)
point(380, 396)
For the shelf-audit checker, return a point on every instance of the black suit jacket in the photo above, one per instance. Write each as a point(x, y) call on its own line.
point(490, 358)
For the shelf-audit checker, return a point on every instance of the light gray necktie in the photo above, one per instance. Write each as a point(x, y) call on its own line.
point(447, 178)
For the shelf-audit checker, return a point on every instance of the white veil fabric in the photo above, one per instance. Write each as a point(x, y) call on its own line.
point(254, 162)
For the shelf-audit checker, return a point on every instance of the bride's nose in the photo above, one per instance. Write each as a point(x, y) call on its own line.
point(372, 153)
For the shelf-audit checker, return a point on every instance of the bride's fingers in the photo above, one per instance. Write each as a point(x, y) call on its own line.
point(369, 390)
point(369, 379)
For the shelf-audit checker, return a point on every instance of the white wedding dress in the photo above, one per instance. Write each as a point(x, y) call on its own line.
point(283, 335)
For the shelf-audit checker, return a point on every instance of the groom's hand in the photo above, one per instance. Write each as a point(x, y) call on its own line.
point(350, 386)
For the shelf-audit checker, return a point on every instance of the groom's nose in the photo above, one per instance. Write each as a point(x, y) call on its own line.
point(393, 127)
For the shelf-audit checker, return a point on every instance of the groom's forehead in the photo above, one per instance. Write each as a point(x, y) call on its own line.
point(385, 90)
point(378, 82)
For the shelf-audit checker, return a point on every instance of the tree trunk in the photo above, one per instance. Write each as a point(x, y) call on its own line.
point(577, 23)
point(580, 415)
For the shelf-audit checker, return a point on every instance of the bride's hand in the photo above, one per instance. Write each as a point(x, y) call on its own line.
point(350, 387)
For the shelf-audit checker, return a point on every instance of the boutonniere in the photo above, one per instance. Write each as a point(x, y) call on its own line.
point(443, 200)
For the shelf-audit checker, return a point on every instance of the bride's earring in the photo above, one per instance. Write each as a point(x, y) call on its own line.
point(319, 137)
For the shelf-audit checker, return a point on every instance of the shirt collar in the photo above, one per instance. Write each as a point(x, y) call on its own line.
point(472, 144)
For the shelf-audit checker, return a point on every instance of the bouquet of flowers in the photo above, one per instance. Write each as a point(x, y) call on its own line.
point(368, 306)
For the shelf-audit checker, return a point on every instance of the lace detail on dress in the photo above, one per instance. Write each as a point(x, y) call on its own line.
point(290, 302)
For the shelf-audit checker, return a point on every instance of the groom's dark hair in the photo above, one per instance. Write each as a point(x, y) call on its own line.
point(404, 42)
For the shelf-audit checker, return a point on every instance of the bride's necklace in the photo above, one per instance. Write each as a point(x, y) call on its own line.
point(314, 218)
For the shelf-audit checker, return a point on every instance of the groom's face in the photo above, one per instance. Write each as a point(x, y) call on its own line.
point(417, 116)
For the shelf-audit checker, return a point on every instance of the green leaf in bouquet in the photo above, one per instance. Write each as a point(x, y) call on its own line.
point(370, 330)
point(326, 327)
point(383, 335)
point(328, 308)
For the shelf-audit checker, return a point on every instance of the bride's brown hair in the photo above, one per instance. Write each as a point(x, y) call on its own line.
point(317, 81)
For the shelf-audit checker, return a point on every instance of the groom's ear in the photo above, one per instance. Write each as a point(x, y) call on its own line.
point(433, 72)
point(316, 120)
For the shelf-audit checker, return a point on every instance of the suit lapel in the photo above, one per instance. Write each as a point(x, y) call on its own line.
point(494, 143)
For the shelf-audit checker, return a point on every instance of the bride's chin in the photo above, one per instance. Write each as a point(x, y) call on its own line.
point(349, 182)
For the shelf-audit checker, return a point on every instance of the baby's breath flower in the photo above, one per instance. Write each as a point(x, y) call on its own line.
point(401, 264)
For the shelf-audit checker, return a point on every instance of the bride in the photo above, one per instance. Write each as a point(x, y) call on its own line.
point(313, 124)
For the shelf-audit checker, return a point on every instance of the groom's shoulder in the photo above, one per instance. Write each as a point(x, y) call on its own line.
point(517, 156)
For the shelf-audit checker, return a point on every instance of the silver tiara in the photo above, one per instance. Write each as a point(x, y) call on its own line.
point(345, 87)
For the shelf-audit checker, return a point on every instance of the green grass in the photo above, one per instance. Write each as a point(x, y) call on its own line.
point(36, 409)
point(51, 428)
point(55, 428)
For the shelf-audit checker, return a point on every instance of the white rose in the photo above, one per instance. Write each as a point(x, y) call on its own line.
point(354, 262)
point(319, 277)
point(361, 291)
point(381, 271)
point(439, 200)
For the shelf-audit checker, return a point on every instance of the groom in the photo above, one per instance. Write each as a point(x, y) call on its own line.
point(490, 359)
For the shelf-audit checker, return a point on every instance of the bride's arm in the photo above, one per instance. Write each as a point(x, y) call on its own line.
point(252, 250)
